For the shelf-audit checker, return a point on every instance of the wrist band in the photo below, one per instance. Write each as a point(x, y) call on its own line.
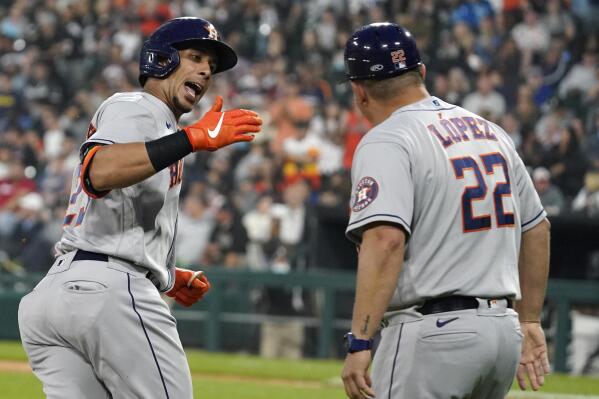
point(531, 321)
point(167, 150)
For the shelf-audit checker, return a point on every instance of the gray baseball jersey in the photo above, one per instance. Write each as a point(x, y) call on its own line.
point(96, 327)
point(454, 182)
point(136, 223)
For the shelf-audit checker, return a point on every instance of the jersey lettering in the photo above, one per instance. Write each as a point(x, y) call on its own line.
point(445, 141)
point(91, 129)
point(76, 207)
point(462, 129)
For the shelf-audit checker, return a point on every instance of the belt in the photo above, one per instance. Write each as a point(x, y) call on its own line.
point(87, 255)
point(453, 303)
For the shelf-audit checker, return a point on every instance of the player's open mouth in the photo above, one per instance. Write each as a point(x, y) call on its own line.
point(192, 90)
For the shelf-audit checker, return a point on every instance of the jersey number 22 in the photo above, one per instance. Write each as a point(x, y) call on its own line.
point(502, 189)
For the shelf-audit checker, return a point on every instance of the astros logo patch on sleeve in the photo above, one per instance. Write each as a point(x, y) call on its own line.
point(366, 192)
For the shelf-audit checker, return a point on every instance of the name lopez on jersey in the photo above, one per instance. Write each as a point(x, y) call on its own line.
point(456, 130)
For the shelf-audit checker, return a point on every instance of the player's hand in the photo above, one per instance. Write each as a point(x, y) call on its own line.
point(190, 286)
point(218, 129)
point(534, 362)
point(355, 376)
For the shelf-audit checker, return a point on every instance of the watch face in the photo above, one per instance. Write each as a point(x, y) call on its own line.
point(347, 338)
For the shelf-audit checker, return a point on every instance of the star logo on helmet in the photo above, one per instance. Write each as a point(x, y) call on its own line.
point(212, 33)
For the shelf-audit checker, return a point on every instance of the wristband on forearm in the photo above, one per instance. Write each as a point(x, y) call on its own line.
point(167, 150)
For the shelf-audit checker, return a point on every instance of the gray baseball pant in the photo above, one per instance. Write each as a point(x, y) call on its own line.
point(99, 330)
point(474, 356)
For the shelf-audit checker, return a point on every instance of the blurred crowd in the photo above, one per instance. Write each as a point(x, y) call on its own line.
point(530, 66)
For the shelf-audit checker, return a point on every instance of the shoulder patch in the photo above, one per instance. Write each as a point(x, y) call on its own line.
point(366, 192)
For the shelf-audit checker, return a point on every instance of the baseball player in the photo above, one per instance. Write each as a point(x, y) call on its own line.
point(451, 237)
point(96, 325)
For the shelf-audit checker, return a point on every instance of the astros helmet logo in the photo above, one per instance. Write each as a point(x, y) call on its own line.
point(212, 33)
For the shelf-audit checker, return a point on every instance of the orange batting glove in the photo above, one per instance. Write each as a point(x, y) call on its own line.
point(218, 129)
point(190, 286)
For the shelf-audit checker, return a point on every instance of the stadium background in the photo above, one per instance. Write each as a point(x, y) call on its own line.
point(280, 203)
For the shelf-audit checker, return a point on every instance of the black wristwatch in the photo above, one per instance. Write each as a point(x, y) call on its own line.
point(353, 344)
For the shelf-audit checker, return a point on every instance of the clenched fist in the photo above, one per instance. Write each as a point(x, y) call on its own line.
point(190, 286)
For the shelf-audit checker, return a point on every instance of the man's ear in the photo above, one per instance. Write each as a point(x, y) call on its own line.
point(360, 94)
point(423, 71)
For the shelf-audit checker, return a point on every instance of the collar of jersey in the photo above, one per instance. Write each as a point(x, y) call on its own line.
point(424, 103)
point(160, 104)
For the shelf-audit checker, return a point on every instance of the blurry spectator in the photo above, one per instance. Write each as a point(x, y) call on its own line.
point(326, 30)
point(228, 240)
point(551, 197)
point(567, 162)
point(507, 61)
point(53, 134)
point(292, 217)
point(302, 152)
point(488, 40)
point(558, 21)
point(588, 12)
point(581, 77)
point(283, 112)
point(555, 62)
point(9, 102)
point(14, 24)
point(485, 100)
point(26, 244)
point(511, 125)
point(587, 200)
point(550, 126)
point(354, 126)
point(286, 337)
point(335, 191)
point(526, 111)
point(41, 87)
point(129, 40)
point(260, 226)
point(458, 85)
point(13, 182)
point(593, 144)
point(472, 12)
point(531, 35)
point(541, 92)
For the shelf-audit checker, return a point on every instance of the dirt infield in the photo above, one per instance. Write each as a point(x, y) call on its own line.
point(15, 366)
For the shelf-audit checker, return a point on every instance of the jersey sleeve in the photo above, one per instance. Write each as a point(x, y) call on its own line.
point(531, 210)
point(382, 188)
point(115, 122)
point(123, 122)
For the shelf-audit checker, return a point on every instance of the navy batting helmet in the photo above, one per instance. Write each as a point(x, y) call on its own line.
point(159, 55)
point(379, 51)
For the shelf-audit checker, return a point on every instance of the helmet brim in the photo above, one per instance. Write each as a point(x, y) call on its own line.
point(226, 58)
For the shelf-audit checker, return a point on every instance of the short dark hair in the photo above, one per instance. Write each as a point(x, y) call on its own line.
point(388, 88)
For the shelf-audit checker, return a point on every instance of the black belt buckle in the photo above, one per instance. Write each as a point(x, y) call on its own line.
point(88, 255)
